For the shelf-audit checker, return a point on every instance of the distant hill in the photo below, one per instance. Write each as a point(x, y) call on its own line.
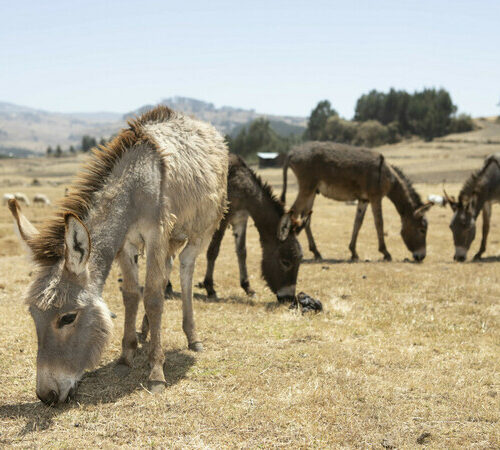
point(282, 128)
point(25, 130)
point(225, 118)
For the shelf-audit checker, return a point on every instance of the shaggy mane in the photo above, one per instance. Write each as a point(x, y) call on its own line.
point(264, 186)
point(414, 195)
point(48, 246)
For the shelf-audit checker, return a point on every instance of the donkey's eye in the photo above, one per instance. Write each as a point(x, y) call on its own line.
point(67, 319)
point(285, 263)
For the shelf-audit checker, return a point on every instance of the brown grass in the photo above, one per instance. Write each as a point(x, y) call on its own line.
point(404, 354)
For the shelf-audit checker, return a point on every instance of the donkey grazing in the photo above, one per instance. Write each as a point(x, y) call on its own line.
point(346, 173)
point(160, 184)
point(22, 198)
point(281, 257)
point(478, 193)
point(41, 199)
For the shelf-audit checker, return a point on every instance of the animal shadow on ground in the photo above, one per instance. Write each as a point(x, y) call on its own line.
point(487, 259)
point(103, 385)
point(341, 261)
point(235, 299)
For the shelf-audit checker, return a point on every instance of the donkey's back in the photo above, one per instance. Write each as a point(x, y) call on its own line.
point(195, 160)
point(340, 171)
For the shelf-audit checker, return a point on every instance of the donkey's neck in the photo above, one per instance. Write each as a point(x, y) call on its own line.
point(108, 225)
point(112, 215)
point(400, 196)
point(264, 213)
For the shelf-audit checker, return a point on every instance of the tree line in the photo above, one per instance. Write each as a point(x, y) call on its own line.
point(380, 118)
point(86, 144)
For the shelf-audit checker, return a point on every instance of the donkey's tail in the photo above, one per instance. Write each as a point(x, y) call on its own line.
point(285, 170)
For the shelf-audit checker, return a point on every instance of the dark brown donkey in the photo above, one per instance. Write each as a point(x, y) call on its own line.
point(249, 196)
point(478, 193)
point(346, 173)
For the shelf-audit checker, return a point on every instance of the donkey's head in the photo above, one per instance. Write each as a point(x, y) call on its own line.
point(414, 231)
point(281, 258)
point(72, 321)
point(463, 224)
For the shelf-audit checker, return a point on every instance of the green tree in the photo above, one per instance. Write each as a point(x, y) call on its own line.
point(258, 137)
point(58, 152)
point(88, 142)
point(72, 150)
point(49, 151)
point(317, 121)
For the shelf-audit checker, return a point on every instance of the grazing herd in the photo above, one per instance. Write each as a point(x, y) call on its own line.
point(167, 185)
point(38, 199)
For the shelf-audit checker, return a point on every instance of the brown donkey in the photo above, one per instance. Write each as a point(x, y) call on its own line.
point(249, 196)
point(478, 194)
point(160, 184)
point(346, 173)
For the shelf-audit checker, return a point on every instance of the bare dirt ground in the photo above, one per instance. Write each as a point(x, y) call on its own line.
point(404, 355)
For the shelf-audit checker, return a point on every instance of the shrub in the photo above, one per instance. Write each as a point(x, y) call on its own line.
point(371, 133)
point(461, 124)
point(340, 130)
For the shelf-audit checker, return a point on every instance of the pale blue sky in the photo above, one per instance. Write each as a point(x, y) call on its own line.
point(277, 57)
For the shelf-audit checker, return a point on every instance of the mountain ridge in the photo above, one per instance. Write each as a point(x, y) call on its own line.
point(25, 130)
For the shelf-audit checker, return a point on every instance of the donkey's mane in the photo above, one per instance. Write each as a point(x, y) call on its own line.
point(414, 195)
point(470, 185)
point(266, 189)
point(48, 246)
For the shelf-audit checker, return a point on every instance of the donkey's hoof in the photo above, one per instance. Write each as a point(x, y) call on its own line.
point(354, 258)
point(212, 297)
point(196, 346)
point(318, 257)
point(250, 293)
point(121, 369)
point(477, 257)
point(387, 258)
point(156, 387)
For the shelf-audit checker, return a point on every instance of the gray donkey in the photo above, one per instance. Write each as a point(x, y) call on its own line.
point(478, 194)
point(160, 184)
point(346, 173)
point(248, 195)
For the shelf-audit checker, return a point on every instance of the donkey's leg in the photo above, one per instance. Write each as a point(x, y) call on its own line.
point(153, 301)
point(145, 322)
point(127, 259)
point(379, 225)
point(212, 253)
point(240, 234)
point(304, 205)
point(187, 259)
point(486, 230)
point(358, 221)
point(310, 240)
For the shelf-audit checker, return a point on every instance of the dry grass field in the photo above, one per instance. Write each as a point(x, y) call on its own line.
point(404, 355)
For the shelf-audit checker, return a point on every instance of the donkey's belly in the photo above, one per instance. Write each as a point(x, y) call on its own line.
point(339, 192)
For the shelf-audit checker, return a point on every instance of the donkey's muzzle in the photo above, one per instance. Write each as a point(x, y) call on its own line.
point(459, 258)
point(50, 398)
point(418, 257)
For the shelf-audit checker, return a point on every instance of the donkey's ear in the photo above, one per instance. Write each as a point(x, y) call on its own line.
point(24, 228)
point(451, 200)
point(419, 212)
point(77, 244)
point(284, 226)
